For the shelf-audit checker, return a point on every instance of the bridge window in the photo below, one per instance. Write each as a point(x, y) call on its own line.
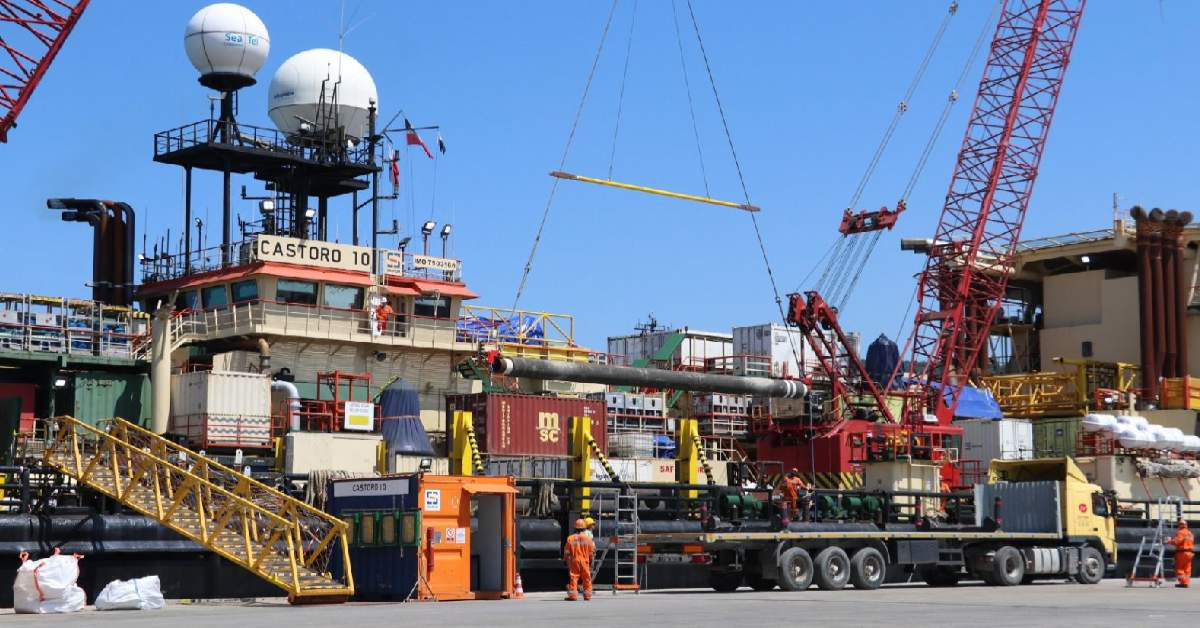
point(431, 306)
point(188, 300)
point(292, 291)
point(244, 290)
point(215, 296)
point(343, 297)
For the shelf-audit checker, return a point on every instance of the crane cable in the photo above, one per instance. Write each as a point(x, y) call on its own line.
point(951, 99)
point(537, 238)
point(845, 266)
point(687, 87)
point(612, 156)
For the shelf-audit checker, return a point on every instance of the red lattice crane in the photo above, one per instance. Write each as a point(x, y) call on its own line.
point(971, 254)
point(31, 34)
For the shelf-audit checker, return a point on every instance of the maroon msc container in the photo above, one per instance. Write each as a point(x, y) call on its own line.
point(527, 425)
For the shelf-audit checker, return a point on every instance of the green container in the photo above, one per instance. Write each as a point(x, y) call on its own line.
point(1055, 438)
point(99, 396)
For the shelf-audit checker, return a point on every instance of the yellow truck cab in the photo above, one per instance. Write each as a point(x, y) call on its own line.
point(1087, 514)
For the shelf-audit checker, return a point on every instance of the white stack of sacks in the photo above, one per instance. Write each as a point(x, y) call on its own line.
point(1136, 432)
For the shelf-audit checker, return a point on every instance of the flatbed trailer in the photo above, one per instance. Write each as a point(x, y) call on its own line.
point(1061, 526)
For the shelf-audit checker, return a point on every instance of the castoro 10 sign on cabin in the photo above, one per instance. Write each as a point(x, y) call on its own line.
point(268, 248)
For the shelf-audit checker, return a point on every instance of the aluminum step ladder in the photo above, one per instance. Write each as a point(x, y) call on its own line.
point(1152, 552)
point(622, 542)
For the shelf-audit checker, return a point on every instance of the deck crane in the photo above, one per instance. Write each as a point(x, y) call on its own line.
point(970, 257)
point(34, 33)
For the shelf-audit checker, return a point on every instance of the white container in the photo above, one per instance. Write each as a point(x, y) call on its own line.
point(307, 451)
point(653, 405)
point(615, 401)
point(694, 350)
point(634, 403)
point(221, 392)
point(631, 445)
point(782, 344)
point(986, 440)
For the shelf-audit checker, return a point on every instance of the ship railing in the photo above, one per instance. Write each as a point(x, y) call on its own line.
point(311, 321)
point(255, 138)
point(37, 324)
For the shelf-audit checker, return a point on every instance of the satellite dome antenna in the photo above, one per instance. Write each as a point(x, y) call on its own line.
point(227, 43)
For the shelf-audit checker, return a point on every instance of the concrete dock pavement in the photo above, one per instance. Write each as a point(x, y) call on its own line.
point(1059, 604)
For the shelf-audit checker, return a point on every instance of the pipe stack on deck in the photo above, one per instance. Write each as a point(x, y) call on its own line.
point(1162, 293)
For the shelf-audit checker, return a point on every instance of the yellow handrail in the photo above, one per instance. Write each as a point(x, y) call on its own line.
point(245, 522)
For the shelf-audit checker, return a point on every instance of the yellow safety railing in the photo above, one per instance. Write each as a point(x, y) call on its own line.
point(1033, 395)
point(278, 538)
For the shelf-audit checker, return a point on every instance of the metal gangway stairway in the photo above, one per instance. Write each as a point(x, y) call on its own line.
point(1151, 571)
point(274, 536)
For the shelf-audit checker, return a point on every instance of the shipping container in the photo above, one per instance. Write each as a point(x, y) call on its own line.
point(222, 409)
point(454, 535)
point(695, 348)
point(782, 344)
point(515, 425)
point(100, 396)
point(311, 451)
point(26, 393)
point(1055, 438)
point(986, 440)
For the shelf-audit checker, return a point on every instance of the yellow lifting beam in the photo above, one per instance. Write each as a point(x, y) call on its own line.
point(641, 188)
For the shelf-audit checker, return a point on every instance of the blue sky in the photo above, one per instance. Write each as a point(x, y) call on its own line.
point(807, 88)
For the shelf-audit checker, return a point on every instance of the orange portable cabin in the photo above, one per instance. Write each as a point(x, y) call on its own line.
point(429, 537)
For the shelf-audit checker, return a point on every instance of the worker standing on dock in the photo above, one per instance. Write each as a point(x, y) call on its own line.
point(1183, 542)
point(578, 553)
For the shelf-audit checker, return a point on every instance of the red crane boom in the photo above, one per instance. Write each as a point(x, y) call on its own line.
point(34, 33)
point(971, 256)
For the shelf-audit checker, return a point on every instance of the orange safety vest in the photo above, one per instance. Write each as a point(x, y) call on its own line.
point(1183, 541)
point(579, 548)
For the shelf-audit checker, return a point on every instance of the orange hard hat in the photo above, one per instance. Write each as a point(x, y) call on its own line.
point(580, 524)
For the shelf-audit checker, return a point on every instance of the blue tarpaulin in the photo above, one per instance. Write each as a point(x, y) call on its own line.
point(523, 328)
point(976, 403)
point(400, 415)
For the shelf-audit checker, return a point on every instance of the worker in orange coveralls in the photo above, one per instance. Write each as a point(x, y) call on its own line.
point(796, 495)
point(382, 314)
point(1183, 542)
point(578, 553)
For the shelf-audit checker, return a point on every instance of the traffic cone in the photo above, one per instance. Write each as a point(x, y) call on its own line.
point(519, 591)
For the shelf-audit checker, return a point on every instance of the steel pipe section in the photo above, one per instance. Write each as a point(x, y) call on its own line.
point(648, 377)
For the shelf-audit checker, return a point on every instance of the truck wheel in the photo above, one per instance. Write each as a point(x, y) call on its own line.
point(795, 570)
point(1008, 567)
point(759, 583)
point(1091, 566)
point(725, 581)
point(867, 569)
point(831, 570)
point(936, 576)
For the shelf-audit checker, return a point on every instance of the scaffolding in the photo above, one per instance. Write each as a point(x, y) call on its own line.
point(41, 324)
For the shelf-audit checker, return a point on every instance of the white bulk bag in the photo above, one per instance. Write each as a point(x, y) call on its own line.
point(48, 585)
point(139, 594)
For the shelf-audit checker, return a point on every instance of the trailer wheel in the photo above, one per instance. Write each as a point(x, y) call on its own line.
point(867, 569)
point(936, 576)
point(725, 581)
point(1008, 567)
point(795, 569)
point(1091, 566)
point(831, 570)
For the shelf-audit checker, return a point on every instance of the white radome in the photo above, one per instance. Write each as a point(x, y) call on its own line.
point(295, 93)
point(226, 38)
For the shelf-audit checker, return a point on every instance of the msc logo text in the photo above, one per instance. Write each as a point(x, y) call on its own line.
point(549, 429)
